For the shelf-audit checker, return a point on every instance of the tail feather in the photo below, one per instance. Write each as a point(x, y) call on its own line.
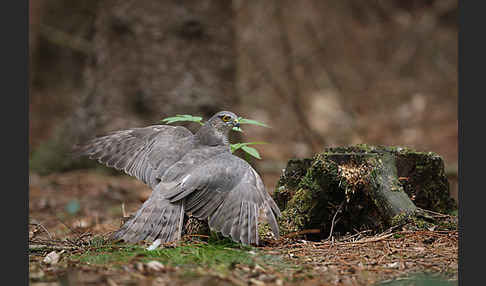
point(158, 228)
point(157, 218)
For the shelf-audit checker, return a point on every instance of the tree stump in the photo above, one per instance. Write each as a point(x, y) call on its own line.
point(348, 189)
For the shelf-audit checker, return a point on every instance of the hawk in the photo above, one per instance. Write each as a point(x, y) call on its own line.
point(194, 174)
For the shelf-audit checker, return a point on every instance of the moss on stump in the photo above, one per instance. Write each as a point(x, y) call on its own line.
point(372, 187)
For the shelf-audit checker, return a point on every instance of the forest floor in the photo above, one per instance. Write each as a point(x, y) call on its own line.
point(72, 214)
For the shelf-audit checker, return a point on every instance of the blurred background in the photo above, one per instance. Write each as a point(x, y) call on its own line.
point(320, 73)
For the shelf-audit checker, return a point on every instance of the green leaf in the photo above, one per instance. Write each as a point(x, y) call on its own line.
point(242, 120)
point(182, 117)
point(237, 129)
point(252, 151)
point(236, 146)
point(244, 146)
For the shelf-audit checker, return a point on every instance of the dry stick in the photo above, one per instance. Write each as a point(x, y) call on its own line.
point(36, 247)
point(374, 239)
point(434, 213)
point(61, 221)
point(43, 227)
point(362, 241)
point(333, 220)
point(123, 210)
point(305, 231)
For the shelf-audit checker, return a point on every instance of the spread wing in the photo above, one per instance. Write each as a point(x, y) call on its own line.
point(228, 191)
point(144, 153)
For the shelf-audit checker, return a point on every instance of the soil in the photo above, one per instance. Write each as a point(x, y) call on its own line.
point(72, 213)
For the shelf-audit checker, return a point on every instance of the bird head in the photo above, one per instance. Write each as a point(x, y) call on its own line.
point(224, 121)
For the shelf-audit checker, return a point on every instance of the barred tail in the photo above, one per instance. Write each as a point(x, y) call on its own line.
point(157, 218)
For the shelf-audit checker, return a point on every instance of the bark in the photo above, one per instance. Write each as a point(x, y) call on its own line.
point(361, 187)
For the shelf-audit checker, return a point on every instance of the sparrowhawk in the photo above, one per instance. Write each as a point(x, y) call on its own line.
point(189, 173)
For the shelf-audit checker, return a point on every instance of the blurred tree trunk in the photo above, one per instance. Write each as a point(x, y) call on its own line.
point(35, 11)
point(157, 58)
point(150, 59)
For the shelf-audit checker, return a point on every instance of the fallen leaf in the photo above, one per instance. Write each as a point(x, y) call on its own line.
point(139, 266)
point(155, 265)
point(258, 268)
point(256, 282)
point(393, 265)
point(52, 257)
point(111, 282)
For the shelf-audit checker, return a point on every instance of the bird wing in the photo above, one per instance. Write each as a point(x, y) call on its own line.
point(228, 191)
point(144, 153)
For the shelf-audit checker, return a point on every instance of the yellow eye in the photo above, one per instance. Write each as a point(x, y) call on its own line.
point(226, 118)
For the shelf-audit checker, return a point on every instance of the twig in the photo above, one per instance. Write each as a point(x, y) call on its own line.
point(333, 220)
point(434, 213)
point(196, 235)
point(305, 231)
point(123, 210)
point(36, 247)
point(356, 236)
point(43, 227)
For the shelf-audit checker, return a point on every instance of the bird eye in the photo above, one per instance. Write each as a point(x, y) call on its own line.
point(226, 118)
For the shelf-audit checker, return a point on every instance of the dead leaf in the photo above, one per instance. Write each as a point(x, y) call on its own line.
point(419, 249)
point(139, 266)
point(52, 257)
point(258, 268)
point(111, 282)
point(256, 282)
point(155, 265)
point(395, 265)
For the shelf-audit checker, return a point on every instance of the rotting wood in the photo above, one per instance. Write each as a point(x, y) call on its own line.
point(366, 178)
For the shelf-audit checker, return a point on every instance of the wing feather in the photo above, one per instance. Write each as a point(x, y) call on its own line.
point(144, 153)
point(207, 182)
point(229, 193)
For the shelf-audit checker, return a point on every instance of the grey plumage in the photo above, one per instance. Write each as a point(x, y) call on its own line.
point(189, 173)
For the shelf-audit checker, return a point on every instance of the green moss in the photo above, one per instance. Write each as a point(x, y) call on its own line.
point(426, 181)
point(421, 279)
point(289, 181)
point(448, 225)
point(310, 190)
point(297, 214)
point(397, 235)
point(421, 224)
point(422, 221)
point(217, 254)
point(400, 219)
